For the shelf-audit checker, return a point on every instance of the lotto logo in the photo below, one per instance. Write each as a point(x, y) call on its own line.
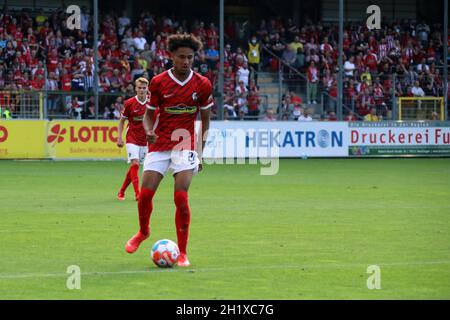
point(82, 134)
point(57, 135)
point(3, 134)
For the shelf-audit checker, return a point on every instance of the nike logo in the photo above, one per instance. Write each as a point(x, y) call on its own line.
point(168, 95)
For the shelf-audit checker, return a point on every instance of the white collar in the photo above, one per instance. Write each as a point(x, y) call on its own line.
point(178, 81)
point(137, 99)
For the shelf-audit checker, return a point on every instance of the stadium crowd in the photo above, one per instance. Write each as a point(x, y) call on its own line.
point(38, 51)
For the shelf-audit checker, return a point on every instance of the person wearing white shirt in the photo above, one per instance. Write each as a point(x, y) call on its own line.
point(349, 67)
point(305, 116)
point(417, 91)
point(140, 41)
point(124, 22)
point(242, 74)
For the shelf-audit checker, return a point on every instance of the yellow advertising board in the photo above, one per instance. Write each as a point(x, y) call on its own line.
point(23, 139)
point(83, 140)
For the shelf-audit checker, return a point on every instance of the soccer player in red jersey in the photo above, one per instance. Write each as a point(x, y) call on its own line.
point(178, 95)
point(136, 140)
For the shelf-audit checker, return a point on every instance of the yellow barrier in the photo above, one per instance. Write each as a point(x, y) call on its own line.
point(23, 139)
point(83, 140)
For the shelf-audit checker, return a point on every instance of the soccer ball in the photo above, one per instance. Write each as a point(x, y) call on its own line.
point(165, 253)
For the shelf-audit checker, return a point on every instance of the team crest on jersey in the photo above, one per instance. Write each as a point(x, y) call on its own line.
point(195, 96)
point(181, 109)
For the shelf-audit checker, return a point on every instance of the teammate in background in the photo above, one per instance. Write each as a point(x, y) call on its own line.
point(178, 95)
point(136, 141)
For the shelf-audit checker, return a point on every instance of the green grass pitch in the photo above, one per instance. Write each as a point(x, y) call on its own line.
point(309, 232)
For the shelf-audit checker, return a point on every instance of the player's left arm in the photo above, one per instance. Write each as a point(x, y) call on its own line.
point(205, 115)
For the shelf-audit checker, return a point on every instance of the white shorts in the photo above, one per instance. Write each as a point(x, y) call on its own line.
point(136, 152)
point(161, 161)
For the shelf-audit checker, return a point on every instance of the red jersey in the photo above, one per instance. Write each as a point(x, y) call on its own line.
point(133, 111)
point(178, 104)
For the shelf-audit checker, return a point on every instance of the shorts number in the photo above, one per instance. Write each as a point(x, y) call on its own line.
point(191, 157)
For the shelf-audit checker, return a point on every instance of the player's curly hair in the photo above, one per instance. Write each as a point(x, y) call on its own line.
point(176, 41)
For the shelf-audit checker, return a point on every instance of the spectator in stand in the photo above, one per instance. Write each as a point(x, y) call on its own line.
point(289, 56)
point(372, 115)
point(124, 23)
point(350, 116)
point(139, 41)
point(286, 109)
point(349, 67)
point(313, 79)
point(230, 105)
point(38, 82)
point(331, 116)
point(76, 108)
point(212, 36)
point(312, 56)
point(212, 56)
point(242, 75)
point(254, 57)
point(300, 57)
point(253, 102)
point(241, 99)
point(277, 47)
point(269, 115)
point(416, 90)
point(422, 66)
point(52, 99)
point(311, 46)
point(305, 116)
point(115, 81)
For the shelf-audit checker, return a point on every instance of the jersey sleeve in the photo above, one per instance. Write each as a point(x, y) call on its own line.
point(154, 95)
point(126, 111)
point(206, 99)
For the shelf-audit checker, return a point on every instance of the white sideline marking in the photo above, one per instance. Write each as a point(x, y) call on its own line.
point(177, 269)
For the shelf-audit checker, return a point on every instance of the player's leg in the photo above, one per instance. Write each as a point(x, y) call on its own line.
point(126, 183)
point(134, 175)
point(183, 214)
point(155, 166)
point(133, 154)
point(150, 183)
point(184, 165)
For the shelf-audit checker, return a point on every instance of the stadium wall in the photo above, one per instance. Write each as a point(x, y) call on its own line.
point(59, 140)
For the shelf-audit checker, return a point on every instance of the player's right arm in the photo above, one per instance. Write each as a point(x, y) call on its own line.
point(123, 118)
point(120, 132)
point(148, 123)
point(149, 117)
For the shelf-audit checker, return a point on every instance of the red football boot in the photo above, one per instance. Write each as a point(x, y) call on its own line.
point(183, 260)
point(121, 196)
point(134, 243)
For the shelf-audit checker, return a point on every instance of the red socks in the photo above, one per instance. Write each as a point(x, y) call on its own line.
point(145, 207)
point(126, 182)
point(182, 215)
point(182, 219)
point(134, 176)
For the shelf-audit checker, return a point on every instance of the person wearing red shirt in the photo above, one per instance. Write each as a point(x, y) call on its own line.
point(253, 102)
point(200, 32)
point(212, 36)
point(66, 85)
point(52, 61)
point(178, 95)
point(68, 62)
point(38, 82)
point(136, 142)
point(365, 102)
point(370, 60)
